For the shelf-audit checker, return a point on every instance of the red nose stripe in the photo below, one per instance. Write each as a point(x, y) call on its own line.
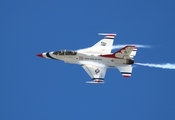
point(40, 55)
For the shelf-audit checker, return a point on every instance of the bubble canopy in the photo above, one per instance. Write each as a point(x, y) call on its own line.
point(65, 52)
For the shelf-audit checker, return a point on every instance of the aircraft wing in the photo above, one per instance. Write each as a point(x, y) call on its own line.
point(126, 70)
point(95, 72)
point(104, 46)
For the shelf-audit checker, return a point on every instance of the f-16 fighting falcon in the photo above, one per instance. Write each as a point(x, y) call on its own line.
point(96, 59)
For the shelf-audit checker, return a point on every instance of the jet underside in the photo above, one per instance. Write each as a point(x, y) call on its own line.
point(80, 58)
point(96, 59)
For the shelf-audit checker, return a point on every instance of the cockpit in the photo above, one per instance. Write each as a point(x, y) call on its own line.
point(65, 52)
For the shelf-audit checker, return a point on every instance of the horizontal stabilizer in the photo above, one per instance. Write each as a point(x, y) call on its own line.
point(125, 70)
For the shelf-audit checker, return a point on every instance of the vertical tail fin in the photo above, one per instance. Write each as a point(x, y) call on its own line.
point(126, 52)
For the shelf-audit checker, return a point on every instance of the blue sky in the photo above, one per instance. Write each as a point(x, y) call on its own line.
point(32, 88)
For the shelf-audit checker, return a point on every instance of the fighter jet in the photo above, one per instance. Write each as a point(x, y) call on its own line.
point(97, 59)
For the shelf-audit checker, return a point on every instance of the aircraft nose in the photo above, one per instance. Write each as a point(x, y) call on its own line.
point(48, 55)
point(40, 55)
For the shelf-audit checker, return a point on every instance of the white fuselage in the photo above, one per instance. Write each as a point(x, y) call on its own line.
point(96, 59)
point(82, 58)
